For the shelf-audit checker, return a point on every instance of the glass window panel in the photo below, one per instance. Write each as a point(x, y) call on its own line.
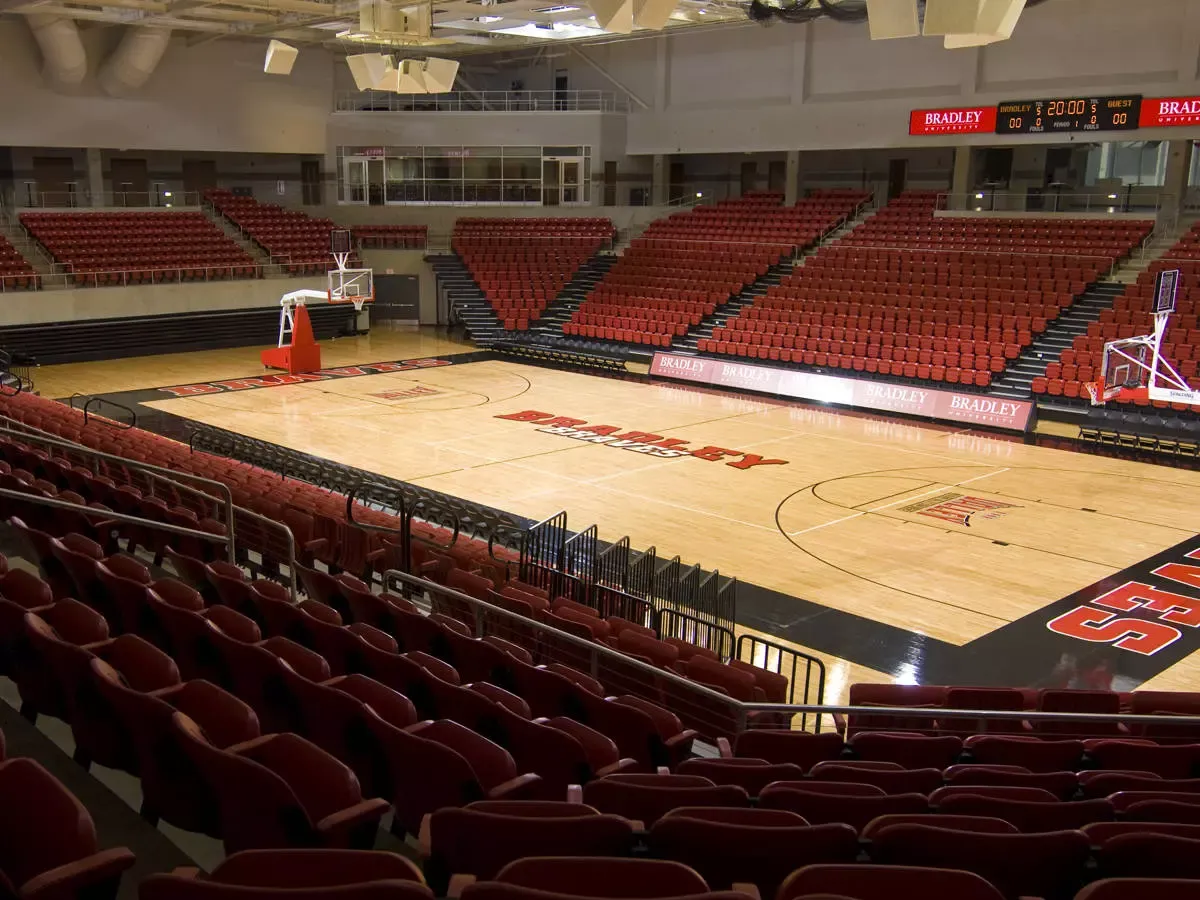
point(482, 168)
point(562, 151)
point(523, 169)
point(438, 168)
point(514, 152)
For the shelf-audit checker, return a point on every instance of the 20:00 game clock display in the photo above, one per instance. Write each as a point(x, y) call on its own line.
point(1067, 114)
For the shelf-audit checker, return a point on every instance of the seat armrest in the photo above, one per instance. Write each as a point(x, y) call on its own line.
point(425, 838)
point(345, 820)
point(523, 787)
point(748, 889)
point(81, 878)
point(839, 724)
point(574, 793)
point(457, 883)
point(626, 764)
point(725, 748)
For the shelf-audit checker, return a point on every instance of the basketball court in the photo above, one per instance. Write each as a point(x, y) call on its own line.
point(884, 546)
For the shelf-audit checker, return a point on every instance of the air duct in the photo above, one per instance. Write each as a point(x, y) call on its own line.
point(134, 60)
point(62, 50)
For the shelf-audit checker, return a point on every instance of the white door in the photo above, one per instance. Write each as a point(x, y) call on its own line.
point(356, 179)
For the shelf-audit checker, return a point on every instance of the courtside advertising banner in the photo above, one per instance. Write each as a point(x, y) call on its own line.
point(949, 406)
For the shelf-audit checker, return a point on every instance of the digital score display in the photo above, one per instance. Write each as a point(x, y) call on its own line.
point(1068, 114)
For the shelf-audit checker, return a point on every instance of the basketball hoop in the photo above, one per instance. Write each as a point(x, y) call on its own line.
point(1134, 368)
point(355, 286)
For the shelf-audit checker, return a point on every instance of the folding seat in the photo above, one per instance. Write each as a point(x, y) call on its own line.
point(1101, 783)
point(20, 592)
point(891, 781)
point(1061, 784)
point(607, 877)
point(1029, 816)
point(854, 803)
point(281, 791)
point(748, 846)
point(1049, 865)
point(171, 785)
point(982, 824)
point(646, 798)
point(30, 665)
point(784, 746)
point(1084, 702)
point(78, 556)
point(316, 874)
point(439, 764)
point(909, 750)
point(876, 882)
point(1148, 855)
point(752, 775)
point(1134, 888)
point(1177, 761)
point(484, 837)
point(48, 846)
point(1031, 753)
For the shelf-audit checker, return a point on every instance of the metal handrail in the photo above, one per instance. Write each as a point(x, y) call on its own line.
point(482, 101)
point(169, 475)
point(85, 200)
point(657, 677)
point(1123, 202)
point(111, 515)
point(100, 401)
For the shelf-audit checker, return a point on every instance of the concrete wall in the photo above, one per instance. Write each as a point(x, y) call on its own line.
point(823, 85)
point(208, 97)
point(29, 308)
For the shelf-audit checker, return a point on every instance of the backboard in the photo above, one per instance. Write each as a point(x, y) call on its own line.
point(355, 286)
point(340, 242)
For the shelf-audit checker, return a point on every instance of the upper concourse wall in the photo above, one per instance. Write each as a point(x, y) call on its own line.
point(820, 86)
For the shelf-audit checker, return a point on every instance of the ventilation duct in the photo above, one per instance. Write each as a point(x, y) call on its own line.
point(62, 50)
point(134, 60)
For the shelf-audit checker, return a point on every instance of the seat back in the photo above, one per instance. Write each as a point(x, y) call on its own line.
point(876, 882)
point(43, 825)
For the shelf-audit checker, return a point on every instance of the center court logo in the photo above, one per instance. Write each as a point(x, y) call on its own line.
point(959, 508)
point(418, 390)
point(654, 445)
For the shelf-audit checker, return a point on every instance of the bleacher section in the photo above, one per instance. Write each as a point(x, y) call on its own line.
point(294, 239)
point(272, 724)
point(15, 272)
point(118, 248)
point(683, 267)
point(1130, 316)
point(927, 297)
point(522, 264)
point(392, 237)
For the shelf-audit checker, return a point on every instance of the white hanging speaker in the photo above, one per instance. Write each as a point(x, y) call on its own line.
point(368, 69)
point(440, 75)
point(280, 58)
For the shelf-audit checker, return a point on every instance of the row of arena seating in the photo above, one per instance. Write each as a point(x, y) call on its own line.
point(909, 293)
point(522, 264)
point(394, 237)
point(114, 248)
point(1132, 315)
point(323, 539)
point(48, 844)
point(347, 875)
point(701, 258)
point(15, 272)
point(191, 724)
point(293, 238)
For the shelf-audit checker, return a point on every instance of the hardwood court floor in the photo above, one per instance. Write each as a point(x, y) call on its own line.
point(858, 519)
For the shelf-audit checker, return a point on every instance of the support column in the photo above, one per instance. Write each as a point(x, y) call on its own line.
point(791, 184)
point(95, 176)
point(658, 180)
point(1175, 180)
point(960, 183)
